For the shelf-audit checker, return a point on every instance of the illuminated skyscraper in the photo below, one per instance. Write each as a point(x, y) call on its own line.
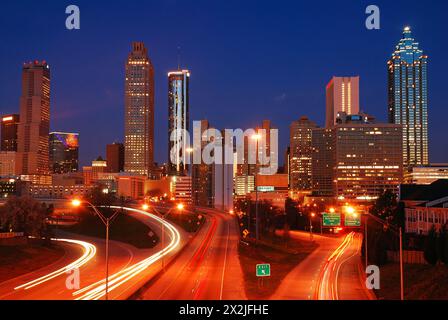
point(408, 98)
point(64, 151)
point(9, 127)
point(34, 126)
point(301, 151)
point(178, 121)
point(342, 96)
point(139, 112)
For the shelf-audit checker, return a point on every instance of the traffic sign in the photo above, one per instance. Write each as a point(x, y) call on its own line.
point(245, 233)
point(263, 270)
point(352, 220)
point(331, 219)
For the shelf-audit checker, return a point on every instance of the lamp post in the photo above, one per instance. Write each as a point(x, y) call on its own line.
point(257, 138)
point(312, 215)
point(107, 222)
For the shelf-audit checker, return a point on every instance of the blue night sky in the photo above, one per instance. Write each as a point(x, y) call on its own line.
point(250, 60)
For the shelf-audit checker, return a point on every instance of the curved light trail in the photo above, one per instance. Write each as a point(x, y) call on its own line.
point(88, 254)
point(327, 288)
point(97, 290)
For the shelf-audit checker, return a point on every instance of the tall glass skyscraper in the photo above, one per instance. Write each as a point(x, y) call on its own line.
point(408, 98)
point(139, 112)
point(178, 121)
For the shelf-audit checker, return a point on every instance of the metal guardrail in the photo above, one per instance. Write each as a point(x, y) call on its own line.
point(9, 235)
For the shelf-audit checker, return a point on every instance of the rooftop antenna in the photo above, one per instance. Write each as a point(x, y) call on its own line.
point(178, 58)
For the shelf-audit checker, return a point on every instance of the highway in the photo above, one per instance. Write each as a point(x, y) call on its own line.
point(331, 272)
point(128, 266)
point(207, 269)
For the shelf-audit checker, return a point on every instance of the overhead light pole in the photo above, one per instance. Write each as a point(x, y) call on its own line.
point(107, 222)
point(180, 207)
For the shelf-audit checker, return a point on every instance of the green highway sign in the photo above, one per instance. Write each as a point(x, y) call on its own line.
point(352, 220)
point(331, 219)
point(263, 270)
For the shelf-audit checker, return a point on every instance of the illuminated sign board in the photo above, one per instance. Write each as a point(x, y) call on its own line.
point(352, 220)
point(7, 119)
point(331, 219)
point(266, 189)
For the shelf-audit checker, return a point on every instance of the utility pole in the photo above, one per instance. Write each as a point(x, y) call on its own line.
point(401, 265)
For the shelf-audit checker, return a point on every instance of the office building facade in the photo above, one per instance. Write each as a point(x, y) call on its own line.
point(115, 157)
point(34, 127)
point(408, 98)
point(178, 121)
point(64, 152)
point(139, 111)
point(9, 127)
point(342, 95)
point(300, 154)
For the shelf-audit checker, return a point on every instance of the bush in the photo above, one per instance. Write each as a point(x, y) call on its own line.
point(430, 251)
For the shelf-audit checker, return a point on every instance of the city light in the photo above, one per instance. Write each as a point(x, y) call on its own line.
point(350, 210)
point(332, 210)
point(180, 206)
point(76, 202)
point(145, 207)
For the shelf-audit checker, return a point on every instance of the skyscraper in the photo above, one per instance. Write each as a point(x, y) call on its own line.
point(178, 121)
point(64, 151)
point(202, 176)
point(115, 157)
point(342, 96)
point(139, 111)
point(408, 98)
point(9, 128)
point(301, 151)
point(34, 126)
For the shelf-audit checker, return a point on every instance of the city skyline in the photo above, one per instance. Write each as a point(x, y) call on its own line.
point(217, 151)
point(290, 96)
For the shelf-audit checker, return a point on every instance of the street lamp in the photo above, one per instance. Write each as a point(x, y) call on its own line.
point(106, 221)
point(312, 215)
point(257, 138)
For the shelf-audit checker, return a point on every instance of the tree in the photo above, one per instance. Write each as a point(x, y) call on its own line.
point(430, 251)
point(25, 215)
point(443, 244)
point(385, 206)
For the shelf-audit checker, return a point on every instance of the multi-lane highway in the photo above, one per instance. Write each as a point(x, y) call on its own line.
point(331, 272)
point(208, 268)
point(129, 268)
point(204, 266)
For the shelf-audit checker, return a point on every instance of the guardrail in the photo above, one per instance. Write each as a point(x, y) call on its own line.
point(10, 235)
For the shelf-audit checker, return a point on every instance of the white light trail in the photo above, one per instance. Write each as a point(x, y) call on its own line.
point(88, 254)
point(97, 290)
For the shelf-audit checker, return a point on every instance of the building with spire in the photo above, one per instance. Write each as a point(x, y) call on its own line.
point(408, 98)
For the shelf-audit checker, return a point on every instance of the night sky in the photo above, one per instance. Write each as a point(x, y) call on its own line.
point(250, 60)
